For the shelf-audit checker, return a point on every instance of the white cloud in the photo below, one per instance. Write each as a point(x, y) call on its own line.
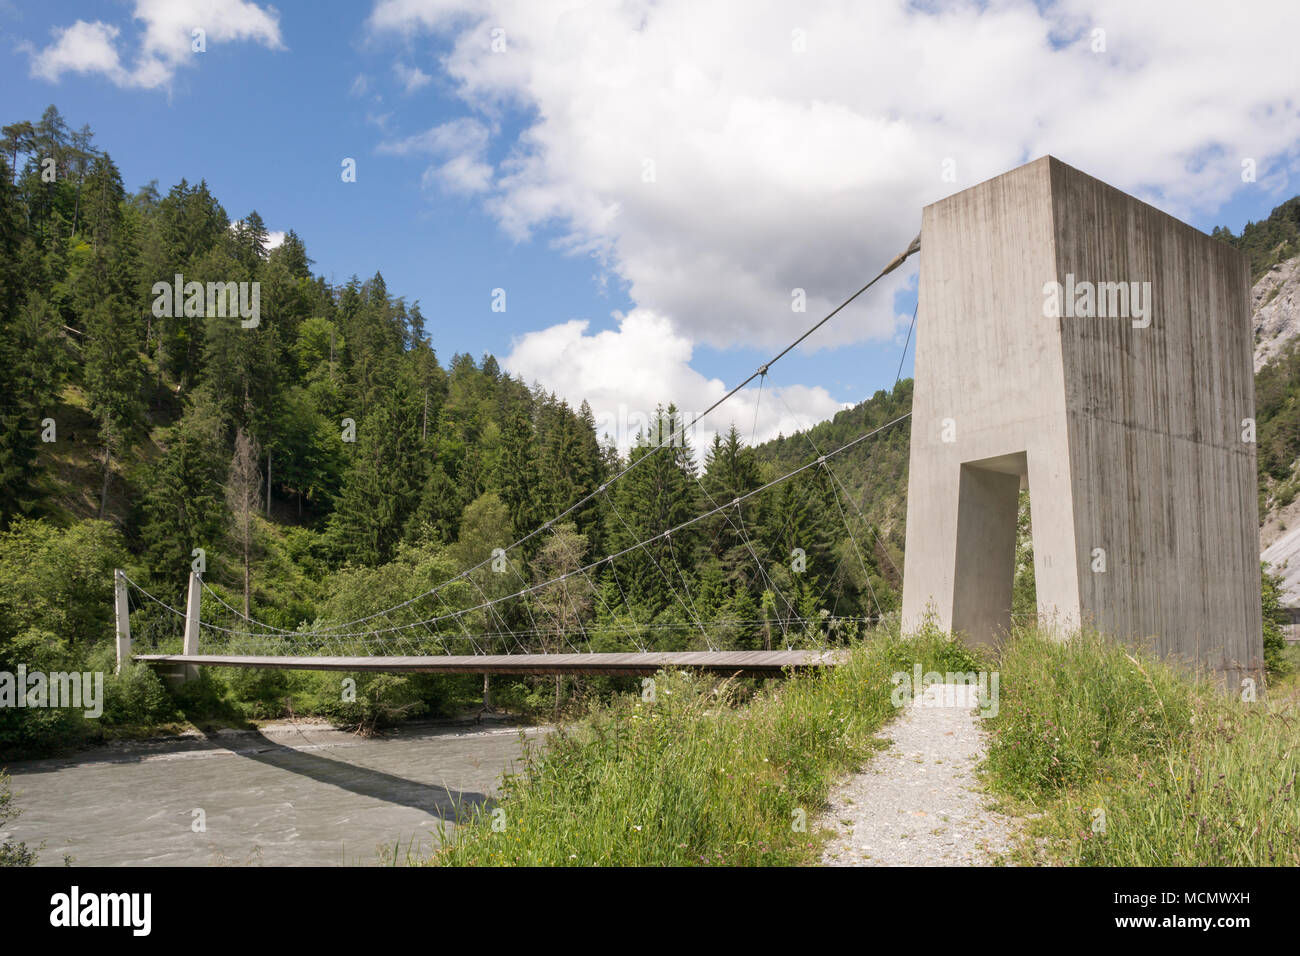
point(459, 148)
point(412, 78)
point(81, 48)
point(165, 43)
point(776, 169)
point(794, 145)
point(625, 374)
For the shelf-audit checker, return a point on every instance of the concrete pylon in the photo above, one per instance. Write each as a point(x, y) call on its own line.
point(122, 618)
point(1076, 341)
point(193, 608)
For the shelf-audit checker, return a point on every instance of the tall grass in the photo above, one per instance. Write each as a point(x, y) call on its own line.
point(1134, 763)
point(1121, 759)
point(708, 773)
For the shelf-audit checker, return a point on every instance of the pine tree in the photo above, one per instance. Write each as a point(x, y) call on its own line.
point(114, 378)
point(184, 504)
point(250, 239)
point(382, 483)
point(18, 138)
point(517, 471)
point(114, 375)
point(31, 354)
point(730, 472)
point(655, 496)
point(244, 498)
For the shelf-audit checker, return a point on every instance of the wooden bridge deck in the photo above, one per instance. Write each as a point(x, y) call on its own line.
point(750, 663)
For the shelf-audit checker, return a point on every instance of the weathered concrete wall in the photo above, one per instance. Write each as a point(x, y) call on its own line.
point(989, 390)
point(1129, 437)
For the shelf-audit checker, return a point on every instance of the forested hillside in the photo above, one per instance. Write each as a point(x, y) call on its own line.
point(872, 477)
point(1273, 247)
point(311, 451)
point(1269, 241)
point(322, 462)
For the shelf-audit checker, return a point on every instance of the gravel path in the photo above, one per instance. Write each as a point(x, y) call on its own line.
point(918, 803)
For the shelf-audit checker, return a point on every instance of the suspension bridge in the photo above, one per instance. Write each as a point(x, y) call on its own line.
point(431, 632)
point(1128, 399)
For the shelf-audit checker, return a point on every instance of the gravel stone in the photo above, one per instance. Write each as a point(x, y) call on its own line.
point(919, 803)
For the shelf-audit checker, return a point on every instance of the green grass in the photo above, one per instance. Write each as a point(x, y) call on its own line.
point(1114, 758)
point(1126, 761)
point(709, 773)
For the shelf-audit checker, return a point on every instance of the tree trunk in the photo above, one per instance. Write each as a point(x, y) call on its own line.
point(268, 484)
point(248, 575)
point(487, 691)
point(103, 490)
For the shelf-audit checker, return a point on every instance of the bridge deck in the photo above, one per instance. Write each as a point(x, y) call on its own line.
point(753, 663)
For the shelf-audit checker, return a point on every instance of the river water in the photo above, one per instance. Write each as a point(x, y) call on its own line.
point(287, 795)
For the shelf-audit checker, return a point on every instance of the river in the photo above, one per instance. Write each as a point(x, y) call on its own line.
point(288, 795)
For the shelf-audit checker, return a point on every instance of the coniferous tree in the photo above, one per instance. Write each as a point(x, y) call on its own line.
point(517, 476)
point(30, 361)
point(655, 496)
point(243, 498)
point(184, 506)
point(382, 483)
point(730, 472)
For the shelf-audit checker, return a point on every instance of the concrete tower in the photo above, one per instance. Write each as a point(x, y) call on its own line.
point(1076, 341)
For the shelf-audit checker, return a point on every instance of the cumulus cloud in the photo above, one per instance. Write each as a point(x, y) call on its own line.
point(715, 157)
point(81, 48)
point(165, 43)
point(719, 155)
point(625, 374)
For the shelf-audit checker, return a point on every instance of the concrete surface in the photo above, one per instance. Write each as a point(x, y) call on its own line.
point(1129, 438)
point(303, 795)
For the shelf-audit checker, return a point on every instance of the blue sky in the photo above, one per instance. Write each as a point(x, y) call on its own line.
point(774, 166)
point(268, 129)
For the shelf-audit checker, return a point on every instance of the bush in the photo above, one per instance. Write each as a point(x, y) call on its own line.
point(136, 697)
point(12, 854)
